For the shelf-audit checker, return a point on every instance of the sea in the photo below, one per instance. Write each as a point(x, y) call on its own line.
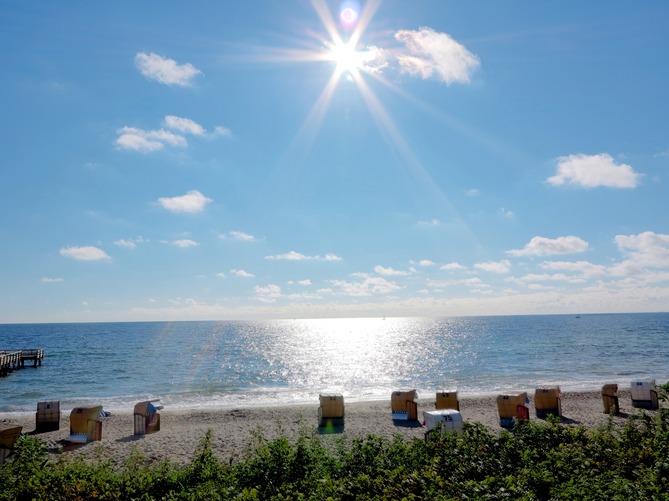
point(231, 364)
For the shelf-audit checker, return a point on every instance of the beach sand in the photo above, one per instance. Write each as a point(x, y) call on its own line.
point(236, 431)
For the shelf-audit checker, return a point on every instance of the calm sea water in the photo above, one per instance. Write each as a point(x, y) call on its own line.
point(232, 364)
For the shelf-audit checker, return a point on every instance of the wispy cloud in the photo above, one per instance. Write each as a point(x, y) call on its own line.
point(241, 273)
point(430, 54)
point(240, 235)
point(297, 256)
point(591, 171)
point(540, 246)
point(49, 280)
point(147, 141)
point(390, 271)
point(429, 224)
point(129, 243)
point(452, 266)
point(506, 213)
point(192, 202)
point(185, 125)
point(502, 266)
point(367, 287)
point(84, 253)
point(184, 243)
point(166, 71)
point(268, 294)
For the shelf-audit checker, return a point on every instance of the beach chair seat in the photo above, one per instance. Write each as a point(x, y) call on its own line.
point(447, 400)
point(8, 437)
point(610, 399)
point(86, 424)
point(548, 400)
point(512, 407)
point(147, 418)
point(644, 394)
point(331, 410)
point(404, 406)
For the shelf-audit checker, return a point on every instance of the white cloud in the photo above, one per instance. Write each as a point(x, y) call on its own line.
point(184, 243)
point(590, 171)
point(430, 53)
point(506, 213)
point(390, 272)
point(185, 125)
point(297, 256)
point(268, 294)
point(471, 282)
point(147, 141)
point(164, 70)
point(645, 249)
point(472, 192)
point(129, 243)
point(583, 268)
point(368, 287)
point(84, 253)
point(304, 282)
point(242, 273)
point(191, 202)
point(219, 130)
point(220, 275)
point(452, 266)
point(49, 280)
point(544, 277)
point(494, 266)
point(430, 223)
point(540, 246)
point(423, 262)
point(240, 235)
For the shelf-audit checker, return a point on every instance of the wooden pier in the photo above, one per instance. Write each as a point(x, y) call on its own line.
point(11, 360)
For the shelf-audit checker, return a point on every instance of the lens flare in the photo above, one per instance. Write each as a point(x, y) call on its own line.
point(349, 14)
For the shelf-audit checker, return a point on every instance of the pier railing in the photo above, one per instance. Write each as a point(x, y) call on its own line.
point(11, 360)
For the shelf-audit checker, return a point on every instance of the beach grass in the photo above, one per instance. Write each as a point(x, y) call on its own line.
point(538, 460)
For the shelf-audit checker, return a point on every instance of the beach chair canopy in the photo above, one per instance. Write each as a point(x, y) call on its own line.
point(447, 400)
point(8, 437)
point(331, 405)
point(547, 400)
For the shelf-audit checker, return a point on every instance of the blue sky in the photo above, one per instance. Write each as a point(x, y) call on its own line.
point(262, 159)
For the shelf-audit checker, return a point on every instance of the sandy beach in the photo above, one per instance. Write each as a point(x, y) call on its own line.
point(235, 431)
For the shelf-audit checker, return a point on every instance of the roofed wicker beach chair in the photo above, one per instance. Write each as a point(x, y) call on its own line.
point(47, 417)
point(147, 418)
point(644, 393)
point(86, 424)
point(610, 398)
point(447, 400)
point(547, 400)
point(403, 405)
point(331, 411)
point(8, 438)
point(512, 407)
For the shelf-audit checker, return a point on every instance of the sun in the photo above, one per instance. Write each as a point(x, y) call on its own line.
point(346, 57)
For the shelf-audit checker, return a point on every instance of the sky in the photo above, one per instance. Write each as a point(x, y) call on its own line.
point(318, 158)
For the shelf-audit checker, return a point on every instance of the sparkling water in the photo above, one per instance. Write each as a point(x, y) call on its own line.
point(232, 364)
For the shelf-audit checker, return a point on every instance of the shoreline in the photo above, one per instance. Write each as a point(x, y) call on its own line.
point(235, 431)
